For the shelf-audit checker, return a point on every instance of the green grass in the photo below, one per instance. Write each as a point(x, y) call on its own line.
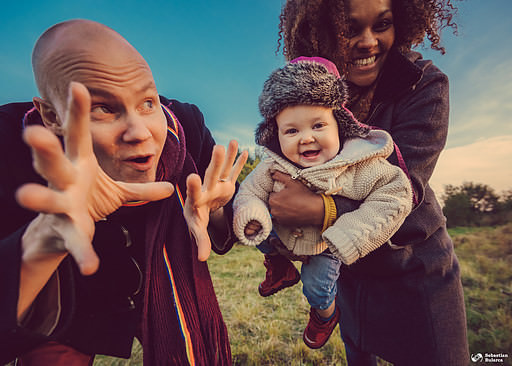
point(265, 331)
point(486, 265)
point(268, 331)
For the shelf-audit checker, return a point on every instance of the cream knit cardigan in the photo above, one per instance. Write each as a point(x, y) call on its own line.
point(361, 172)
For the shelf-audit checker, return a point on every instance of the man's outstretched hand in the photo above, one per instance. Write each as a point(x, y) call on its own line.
point(217, 188)
point(79, 192)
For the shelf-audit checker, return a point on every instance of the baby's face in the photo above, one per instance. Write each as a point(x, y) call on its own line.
point(308, 135)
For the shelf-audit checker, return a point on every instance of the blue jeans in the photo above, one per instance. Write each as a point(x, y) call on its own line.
point(265, 247)
point(319, 278)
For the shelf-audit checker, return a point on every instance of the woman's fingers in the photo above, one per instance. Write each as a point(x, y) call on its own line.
point(281, 177)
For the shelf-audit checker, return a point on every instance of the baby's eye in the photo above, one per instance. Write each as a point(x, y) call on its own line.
point(318, 125)
point(290, 131)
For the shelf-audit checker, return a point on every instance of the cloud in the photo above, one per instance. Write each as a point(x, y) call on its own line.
point(480, 102)
point(236, 131)
point(487, 161)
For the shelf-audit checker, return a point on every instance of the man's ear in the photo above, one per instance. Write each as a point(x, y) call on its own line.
point(48, 115)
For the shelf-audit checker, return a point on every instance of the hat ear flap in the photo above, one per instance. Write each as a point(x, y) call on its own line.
point(342, 91)
point(348, 125)
point(265, 131)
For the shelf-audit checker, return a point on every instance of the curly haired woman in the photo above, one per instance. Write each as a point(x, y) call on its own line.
point(404, 301)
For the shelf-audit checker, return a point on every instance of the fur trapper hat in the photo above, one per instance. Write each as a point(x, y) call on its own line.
point(305, 81)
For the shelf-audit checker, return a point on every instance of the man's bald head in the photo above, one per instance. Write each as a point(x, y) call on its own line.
point(66, 50)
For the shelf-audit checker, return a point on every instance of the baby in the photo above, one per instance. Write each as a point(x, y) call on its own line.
point(308, 134)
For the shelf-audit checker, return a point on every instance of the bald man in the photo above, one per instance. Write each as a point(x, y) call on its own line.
point(107, 222)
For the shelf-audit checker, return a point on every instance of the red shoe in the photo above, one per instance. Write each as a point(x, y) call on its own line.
point(317, 332)
point(281, 273)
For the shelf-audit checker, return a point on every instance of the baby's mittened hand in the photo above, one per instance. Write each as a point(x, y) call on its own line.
point(252, 228)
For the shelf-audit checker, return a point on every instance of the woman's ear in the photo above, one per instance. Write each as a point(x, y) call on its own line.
point(48, 115)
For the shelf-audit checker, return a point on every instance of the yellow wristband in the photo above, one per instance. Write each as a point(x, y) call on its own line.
point(329, 211)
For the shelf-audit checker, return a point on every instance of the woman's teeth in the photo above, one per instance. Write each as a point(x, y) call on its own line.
point(364, 61)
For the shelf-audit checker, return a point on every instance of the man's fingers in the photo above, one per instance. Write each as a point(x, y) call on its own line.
point(40, 199)
point(77, 135)
point(212, 173)
point(229, 159)
point(80, 248)
point(204, 245)
point(153, 191)
point(239, 165)
point(193, 189)
point(48, 157)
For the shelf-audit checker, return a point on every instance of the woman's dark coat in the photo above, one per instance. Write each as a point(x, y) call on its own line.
point(406, 303)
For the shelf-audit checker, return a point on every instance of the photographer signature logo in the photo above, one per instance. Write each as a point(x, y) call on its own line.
point(477, 357)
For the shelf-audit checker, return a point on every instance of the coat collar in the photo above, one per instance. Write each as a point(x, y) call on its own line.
point(401, 73)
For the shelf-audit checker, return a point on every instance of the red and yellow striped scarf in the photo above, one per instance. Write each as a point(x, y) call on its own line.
point(182, 323)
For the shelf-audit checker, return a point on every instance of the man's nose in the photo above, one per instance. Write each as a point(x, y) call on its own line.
point(136, 129)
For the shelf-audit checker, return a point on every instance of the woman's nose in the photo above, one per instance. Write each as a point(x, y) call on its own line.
point(367, 39)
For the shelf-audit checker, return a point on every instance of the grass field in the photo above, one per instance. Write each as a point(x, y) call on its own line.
point(268, 331)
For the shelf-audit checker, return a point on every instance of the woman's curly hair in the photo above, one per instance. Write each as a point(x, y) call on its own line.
point(318, 27)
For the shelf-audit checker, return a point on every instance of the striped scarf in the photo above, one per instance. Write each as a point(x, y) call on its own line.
point(182, 323)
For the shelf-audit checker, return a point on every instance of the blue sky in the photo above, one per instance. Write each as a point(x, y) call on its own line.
point(217, 54)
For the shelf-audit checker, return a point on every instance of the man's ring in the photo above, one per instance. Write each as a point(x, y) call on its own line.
point(223, 179)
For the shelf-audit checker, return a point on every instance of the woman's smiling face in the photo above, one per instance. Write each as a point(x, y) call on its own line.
point(371, 35)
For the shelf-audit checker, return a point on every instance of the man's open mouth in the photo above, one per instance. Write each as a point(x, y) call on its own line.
point(140, 159)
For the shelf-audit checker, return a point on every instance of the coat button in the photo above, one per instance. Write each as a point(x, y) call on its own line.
point(297, 233)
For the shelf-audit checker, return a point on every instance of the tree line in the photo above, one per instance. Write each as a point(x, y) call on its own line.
point(476, 204)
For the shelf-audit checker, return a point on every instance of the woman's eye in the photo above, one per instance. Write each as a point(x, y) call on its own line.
point(352, 30)
point(383, 25)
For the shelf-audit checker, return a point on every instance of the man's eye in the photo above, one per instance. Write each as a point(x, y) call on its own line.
point(148, 105)
point(100, 109)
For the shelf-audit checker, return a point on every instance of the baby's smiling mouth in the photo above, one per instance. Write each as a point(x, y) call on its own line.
point(310, 153)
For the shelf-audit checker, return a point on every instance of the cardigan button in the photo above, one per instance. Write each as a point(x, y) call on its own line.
point(297, 233)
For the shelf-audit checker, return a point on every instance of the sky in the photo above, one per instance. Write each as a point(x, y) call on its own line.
point(217, 54)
